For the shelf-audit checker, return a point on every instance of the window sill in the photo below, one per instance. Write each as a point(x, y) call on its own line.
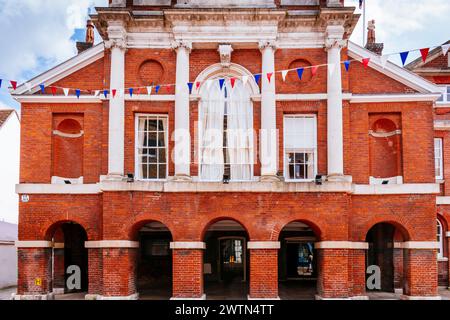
point(442, 259)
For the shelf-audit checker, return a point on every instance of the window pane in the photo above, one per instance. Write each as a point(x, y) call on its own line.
point(152, 155)
point(162, 156)
point(151, 139)
point(162, 171)
point(161, 139)
point(152, 171)
point(152, 125)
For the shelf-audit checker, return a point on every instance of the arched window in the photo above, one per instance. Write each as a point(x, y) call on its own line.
point(225, 131)
point(440, 239)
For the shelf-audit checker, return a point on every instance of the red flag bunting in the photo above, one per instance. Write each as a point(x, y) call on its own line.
point(314, 70)
point(114, 91)
point(365, 62)
point(53, 89)
point(232, 81)
point(14, 84)
point(138, 91)
point(424, 52)
point(269, 76)
point(197, 85)
point(168, 87)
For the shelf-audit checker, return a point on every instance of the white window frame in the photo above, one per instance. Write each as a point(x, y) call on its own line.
point(445, 98)
point(285, 151)
point(440, 239)
point(439, 175)
point(136, 144)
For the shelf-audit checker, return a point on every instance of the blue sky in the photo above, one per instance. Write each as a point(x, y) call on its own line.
point(39, 34)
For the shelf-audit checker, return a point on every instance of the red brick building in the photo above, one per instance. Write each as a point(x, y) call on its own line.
point(437, 69)
point(237, 185)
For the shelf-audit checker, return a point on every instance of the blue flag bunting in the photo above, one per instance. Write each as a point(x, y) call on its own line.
point(105, 93)
point(1, 83)
point(300, 73)
point(347, 64)
point(157, 88)
point(78, 92)
point(404, 56)
point(221, 83)
point(42, 88)
point(190, 85)
point(131, 92)
point(257, 77)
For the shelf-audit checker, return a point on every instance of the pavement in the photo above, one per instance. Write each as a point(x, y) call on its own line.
point(237, 291)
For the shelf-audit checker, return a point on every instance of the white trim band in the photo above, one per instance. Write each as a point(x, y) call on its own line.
point(443, 200)
point(263, 245)
point(426, 245)
point(58, 245)
point(111, 244)
point(190, 245)
point(34, 244)
point(68, 135)
point(447, 234)
point(341, 245)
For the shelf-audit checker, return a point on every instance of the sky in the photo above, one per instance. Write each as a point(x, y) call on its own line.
point(39, 34)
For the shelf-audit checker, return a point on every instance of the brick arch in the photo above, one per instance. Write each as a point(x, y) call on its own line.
point(399, 226)
point(209, 223)
point(276, 230)
point(136, 225)
point(50, 228)
point(443, 219)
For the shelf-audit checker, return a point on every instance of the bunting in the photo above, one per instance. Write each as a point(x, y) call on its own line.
point(424, 53)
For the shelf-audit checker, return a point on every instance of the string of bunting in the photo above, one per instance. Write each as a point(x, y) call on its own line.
point(138, 90)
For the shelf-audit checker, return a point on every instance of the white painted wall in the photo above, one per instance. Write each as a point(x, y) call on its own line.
point(9, 169)
point(8, 265)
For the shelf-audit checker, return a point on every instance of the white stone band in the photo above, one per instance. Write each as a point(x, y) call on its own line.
point(341, 245)
point(111, 244)
point(447, 234)
point(34, 244)
point(263, 245)
point(188, 245)
point(58, 245)
point(426, 245)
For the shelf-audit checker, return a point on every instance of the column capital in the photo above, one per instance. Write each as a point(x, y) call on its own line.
point(117, 36)
point(335, 43)
point(116, 43)
point(267, 44)
point(182, 44)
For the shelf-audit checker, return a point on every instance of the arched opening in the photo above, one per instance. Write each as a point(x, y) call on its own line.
point(68, 140)
point(69, 259)
point(297, 261)
point(385, 149)
point(385, 258)
point(226, 261)
point(154, 262)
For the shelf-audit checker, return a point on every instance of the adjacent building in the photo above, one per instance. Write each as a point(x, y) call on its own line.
point(182, 163)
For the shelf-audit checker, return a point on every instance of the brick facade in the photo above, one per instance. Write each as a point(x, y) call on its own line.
point(343, 216)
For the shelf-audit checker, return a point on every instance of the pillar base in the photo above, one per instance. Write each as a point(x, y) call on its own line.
point(48, 296)
point(250, 298)
point(134, 296)
point(203, 297)
point(359, 298)
point(58, 290)
point(270, 178)
point(182, 178)
point(323, 298)
point(339, 178)
point(405, 297)
point(112, 178)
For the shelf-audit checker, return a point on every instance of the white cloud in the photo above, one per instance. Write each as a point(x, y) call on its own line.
point(35, 35)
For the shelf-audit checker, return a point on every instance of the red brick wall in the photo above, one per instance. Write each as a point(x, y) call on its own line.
point(187, 273)
point(420, 273)
point(263, 273)
point(34, 264)
point(119, 271)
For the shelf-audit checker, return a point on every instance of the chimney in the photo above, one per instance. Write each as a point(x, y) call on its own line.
point(372, 45)
point(89, 41)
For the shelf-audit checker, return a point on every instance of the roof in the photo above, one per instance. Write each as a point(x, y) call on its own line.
point(8, 231)
point(433, 54)
point(392, 70)
point(4, 115)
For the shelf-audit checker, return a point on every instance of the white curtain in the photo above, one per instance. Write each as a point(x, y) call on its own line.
point(212, 108)
point(240, 132)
